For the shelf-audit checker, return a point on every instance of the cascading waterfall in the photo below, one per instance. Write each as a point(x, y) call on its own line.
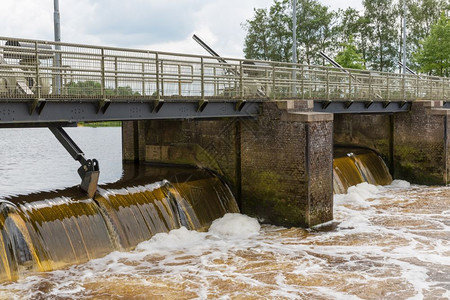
point(356, 166)
point(51, 230)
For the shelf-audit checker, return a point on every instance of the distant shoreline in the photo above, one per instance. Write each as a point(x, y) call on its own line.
point(100, 124)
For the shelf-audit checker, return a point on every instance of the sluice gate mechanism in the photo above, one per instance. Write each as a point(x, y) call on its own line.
point(89, 170)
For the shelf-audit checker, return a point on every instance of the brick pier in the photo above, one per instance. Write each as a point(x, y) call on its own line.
point(278, 166)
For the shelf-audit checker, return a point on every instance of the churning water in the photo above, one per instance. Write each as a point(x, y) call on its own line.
point(390, 242)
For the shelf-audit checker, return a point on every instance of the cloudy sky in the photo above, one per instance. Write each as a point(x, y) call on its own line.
point(160, 25)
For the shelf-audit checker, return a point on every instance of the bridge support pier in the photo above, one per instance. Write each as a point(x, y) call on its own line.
point(278, 166)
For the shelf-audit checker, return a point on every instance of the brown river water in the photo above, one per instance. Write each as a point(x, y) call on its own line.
point(385, 242)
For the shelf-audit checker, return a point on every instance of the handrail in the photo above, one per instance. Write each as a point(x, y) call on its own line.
point(107, 72)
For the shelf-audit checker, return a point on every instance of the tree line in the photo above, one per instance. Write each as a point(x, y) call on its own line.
point(367, 39)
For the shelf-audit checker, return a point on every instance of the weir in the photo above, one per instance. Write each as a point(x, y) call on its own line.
point(354, 166)
point(51, 230)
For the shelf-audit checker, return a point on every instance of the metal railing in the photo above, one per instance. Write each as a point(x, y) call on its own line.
point(30, 69)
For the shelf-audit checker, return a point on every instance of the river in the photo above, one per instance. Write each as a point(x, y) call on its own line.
point(389, 242)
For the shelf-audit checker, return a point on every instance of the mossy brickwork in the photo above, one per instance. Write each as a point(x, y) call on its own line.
point(414, 144)
point(279, 166)
point(286, 163)
point(420, 145)
point(208, 143)
point(365, 130)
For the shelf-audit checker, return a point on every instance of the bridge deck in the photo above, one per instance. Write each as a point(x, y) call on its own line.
point(42, 81)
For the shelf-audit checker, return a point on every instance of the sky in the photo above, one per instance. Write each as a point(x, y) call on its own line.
point(157, 25)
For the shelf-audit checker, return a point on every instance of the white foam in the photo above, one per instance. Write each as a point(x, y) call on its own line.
point(176, 239)
point(235, 226)
point(402, 184)
point(358, 195)
point(133, 189)
point(358, 222)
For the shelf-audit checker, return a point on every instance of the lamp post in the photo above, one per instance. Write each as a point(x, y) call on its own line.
point(294, 46)
point(404, 37)
point(57, 62)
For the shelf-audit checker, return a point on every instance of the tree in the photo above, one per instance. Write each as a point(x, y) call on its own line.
point(92, 88)
point(352, 24)
point(257, 40)
point(434, 55)
point(349, 56)
point(421, 15)
point(376, 32)
point(269, 32)
point(381, 16)
point(280, 24)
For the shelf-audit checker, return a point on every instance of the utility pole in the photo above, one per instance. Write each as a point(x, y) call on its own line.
point(57, 62)
point(404, 37)
point(294, 45)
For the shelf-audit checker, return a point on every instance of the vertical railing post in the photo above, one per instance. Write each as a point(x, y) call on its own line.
point(58, 65)
point(370, 86)
point(328, 84)
point(294, 80)
point(417, 87)
point(302, 87)
point(443, 89)
point(161, 78)
point(404, 86)
point(103, 79)
point(241, 81)
point(38, 84)
point(116, 79)
point(202, 79)
point(349, 86)
point(158, 94)
point(431, 88)
point(179, 80)
point(143, 79)
point(273, 82)
point(387, 86)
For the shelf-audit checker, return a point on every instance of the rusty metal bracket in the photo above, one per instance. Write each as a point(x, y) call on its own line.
point(156, 105)
point(368, 104)
point(103, 105)
point(325, 104)
point(201, 105)
point(348, 104)
point(240, 105)
point(37, 105)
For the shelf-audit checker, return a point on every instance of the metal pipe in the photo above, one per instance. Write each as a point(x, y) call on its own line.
point(404, 36)
point(57, 21)
point(294, 45)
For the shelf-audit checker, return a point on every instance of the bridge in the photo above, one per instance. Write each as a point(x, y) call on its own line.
point(43, 82)
point(267, 128)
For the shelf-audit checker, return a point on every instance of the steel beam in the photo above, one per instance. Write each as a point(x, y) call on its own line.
point(14, 113)
point(356, 107)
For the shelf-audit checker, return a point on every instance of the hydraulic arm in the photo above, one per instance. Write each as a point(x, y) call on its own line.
point(228, 68)
point(89, 170)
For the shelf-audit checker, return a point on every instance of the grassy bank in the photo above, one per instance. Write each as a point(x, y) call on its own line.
point(100, 124)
